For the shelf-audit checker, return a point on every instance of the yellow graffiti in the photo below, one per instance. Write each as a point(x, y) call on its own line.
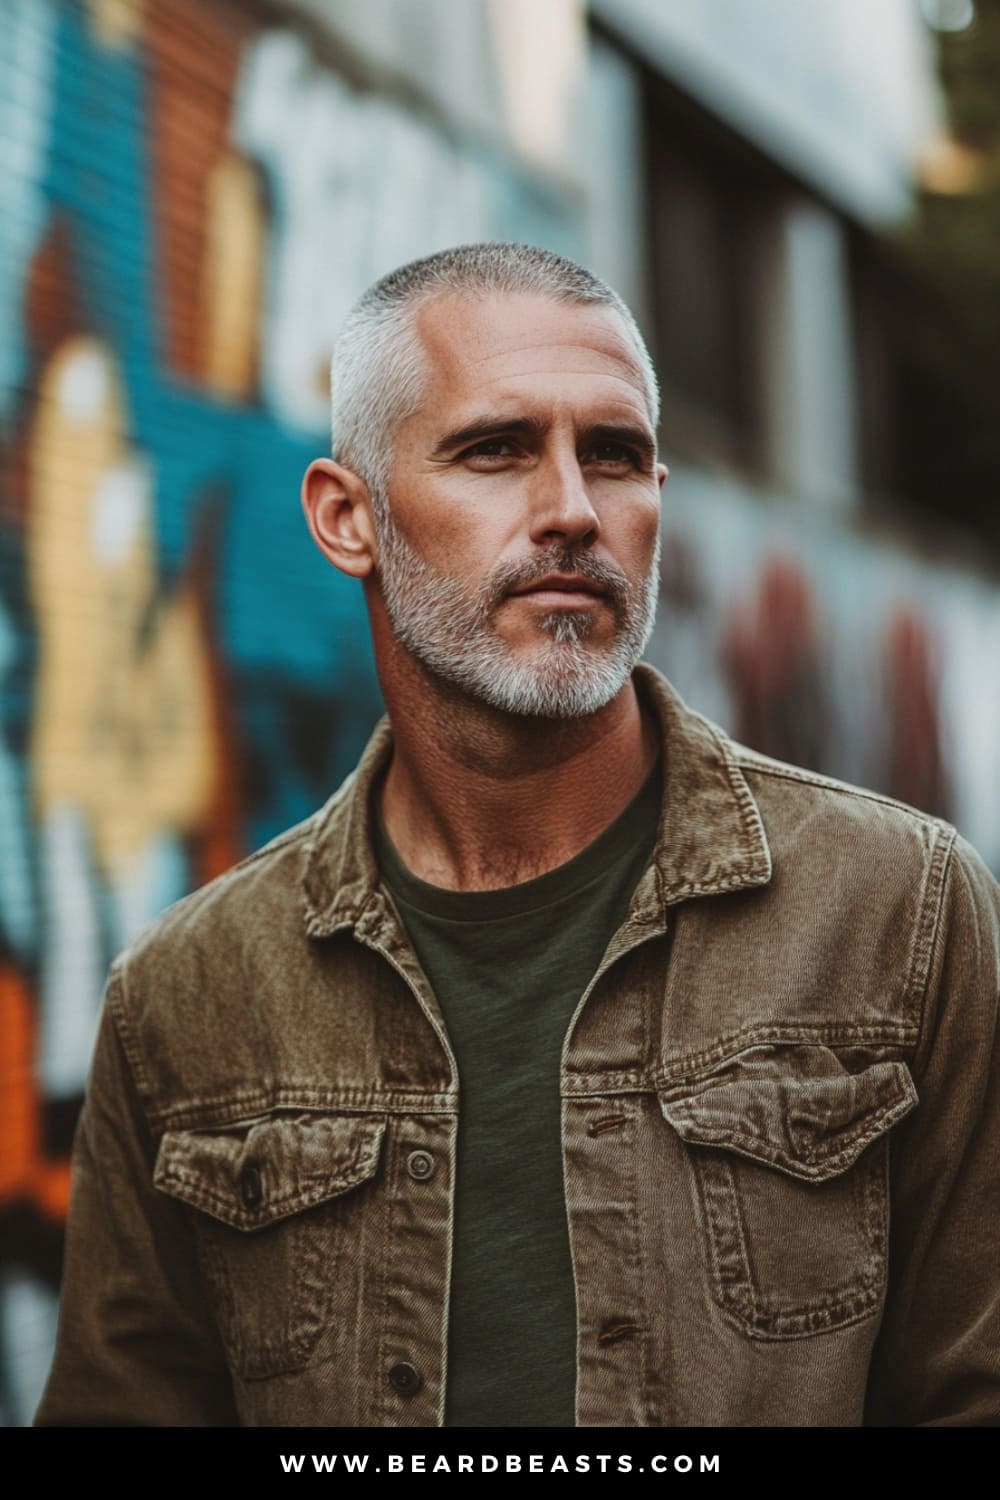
point(231, 279)
point(116, 23)
point(123, 721)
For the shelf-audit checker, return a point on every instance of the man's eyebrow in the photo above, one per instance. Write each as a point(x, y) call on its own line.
point(639, 438)
point(482, 428)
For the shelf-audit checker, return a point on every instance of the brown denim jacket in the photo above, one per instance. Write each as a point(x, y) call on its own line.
point(781, 1118)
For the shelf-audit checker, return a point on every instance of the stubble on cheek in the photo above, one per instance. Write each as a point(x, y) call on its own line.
point(457, 631)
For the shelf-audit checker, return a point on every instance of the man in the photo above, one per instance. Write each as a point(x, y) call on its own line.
point(573, 1064)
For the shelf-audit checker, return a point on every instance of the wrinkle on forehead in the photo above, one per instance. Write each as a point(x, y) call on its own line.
point(632, 392)
point(523, 335)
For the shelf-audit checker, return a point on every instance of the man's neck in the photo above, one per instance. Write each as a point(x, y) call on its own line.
point(475, 799)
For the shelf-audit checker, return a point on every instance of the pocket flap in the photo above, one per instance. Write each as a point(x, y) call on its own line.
point(258, 1174)
point(769, 1104)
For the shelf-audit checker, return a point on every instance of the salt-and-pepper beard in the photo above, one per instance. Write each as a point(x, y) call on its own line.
point(449, 628)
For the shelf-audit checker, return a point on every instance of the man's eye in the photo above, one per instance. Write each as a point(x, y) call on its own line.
point(614, 453)
point(490, 448)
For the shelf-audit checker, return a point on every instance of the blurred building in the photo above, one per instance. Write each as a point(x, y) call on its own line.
point(192, 193)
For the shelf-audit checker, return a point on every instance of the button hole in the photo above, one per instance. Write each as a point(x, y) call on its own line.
point(615, 1332)
point(251, 1186)
point(605, 1123)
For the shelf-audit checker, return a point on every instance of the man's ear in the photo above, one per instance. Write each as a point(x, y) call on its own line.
point(339, 514)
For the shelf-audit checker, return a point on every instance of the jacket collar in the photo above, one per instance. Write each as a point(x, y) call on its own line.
point(710, 837)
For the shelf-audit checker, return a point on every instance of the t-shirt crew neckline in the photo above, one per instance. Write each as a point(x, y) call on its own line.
point(594, 862)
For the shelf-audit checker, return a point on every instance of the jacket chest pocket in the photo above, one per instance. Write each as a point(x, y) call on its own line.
point(788, 1154)
point(274, 1202)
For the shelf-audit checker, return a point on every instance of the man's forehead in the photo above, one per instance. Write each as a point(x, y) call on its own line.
point(484, 344)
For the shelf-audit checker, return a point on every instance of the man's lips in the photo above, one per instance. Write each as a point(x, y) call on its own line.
point(566, 589)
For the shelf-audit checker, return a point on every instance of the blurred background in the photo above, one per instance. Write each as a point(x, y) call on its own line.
point(802, 205)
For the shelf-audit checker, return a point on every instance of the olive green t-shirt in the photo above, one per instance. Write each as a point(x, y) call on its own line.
point(508, 968)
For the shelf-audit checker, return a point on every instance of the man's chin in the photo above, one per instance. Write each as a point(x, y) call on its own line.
point(562, 673)
point(562, 686)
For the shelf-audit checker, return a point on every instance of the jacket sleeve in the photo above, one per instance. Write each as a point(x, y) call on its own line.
point(136, 1341)
point(937, 1361)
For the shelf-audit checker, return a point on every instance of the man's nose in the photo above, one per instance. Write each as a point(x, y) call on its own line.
point(562, 509)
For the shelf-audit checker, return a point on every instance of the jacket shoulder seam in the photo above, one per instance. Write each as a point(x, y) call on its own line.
point(929, 926)
point(116, 1002)
point(953, 860)
point(190, 901)
point(779, 771)
point(930, 876)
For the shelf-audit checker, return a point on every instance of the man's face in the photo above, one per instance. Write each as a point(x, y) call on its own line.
point(519, 556)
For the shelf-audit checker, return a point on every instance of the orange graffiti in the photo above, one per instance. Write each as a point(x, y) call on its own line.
point(25, 1174)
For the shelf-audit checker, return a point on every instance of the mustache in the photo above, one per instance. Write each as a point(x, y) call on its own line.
point(505, 579)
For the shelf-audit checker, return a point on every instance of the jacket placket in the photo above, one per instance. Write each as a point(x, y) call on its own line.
point(408, 1301)
point(605, 1074)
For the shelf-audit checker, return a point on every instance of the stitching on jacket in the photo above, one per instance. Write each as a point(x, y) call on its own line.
point(820, 1033)
point(116, 1003)
point(753, 760)
point(750, 819)
point(735, 1279)
point(759, 1147)
point(937, 938)
point(234, 1108)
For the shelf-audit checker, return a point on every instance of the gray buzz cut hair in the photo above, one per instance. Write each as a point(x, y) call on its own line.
point(379, 365)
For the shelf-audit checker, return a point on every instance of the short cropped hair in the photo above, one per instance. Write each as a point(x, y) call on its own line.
point(379, 364)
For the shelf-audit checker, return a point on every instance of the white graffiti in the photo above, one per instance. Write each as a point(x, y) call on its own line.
point(356, 186)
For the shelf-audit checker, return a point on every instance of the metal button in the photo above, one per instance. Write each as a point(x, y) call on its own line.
point(420, 1165)
point(404, 1379)
point(251, 1187)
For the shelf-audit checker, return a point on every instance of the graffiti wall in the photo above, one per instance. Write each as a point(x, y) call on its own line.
point(841, 653)
point(190, 199)
point(189, 202)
